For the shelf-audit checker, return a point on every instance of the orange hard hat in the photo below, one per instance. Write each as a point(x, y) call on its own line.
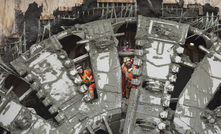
point(88, 71)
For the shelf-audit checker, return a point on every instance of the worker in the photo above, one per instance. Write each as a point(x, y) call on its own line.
point(87, 78)
point(127, 68)
point(125, 47)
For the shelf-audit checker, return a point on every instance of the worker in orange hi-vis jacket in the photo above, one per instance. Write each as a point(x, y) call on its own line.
point(127, 68)
point(126, 48)
point(87, 78)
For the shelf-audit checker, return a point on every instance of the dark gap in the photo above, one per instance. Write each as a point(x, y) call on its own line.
point(138, 121)
point(70, 46)
point(182, 78)
point(130, 32)
point(101, 132)
point(79, 50)
point(32, 101)
point(2, 130)
point(194, 53)
point(115, 126)
point(216, 101)
point(144, 84)
point(20, 86)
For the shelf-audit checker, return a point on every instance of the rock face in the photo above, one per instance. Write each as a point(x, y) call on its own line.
point(215, 3)
point(9, 10)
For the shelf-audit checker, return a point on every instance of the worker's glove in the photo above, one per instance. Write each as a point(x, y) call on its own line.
point(88, 97)
point(129, 70)
point(124, 50)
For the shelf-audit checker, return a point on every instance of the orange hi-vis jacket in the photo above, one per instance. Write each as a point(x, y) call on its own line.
point(88, 80)
point(130, 50)
point(127, 76)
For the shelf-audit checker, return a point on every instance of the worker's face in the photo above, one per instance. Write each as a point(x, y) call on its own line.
point(80, 71)
point(128, 63)
point(125, 47)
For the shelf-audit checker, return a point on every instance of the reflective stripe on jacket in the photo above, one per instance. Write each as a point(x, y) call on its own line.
point(87, 78)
